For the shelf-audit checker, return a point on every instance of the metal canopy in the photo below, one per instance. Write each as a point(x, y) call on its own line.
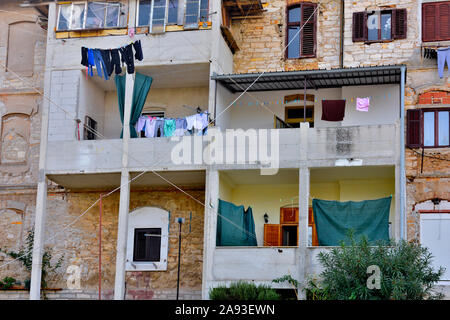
point(315, 79)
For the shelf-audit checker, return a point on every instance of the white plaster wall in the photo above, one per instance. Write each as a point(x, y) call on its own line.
point(91, 103)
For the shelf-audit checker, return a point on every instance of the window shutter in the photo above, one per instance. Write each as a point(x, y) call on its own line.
point(139, 245)
point(359, 26)
point(444, 20)
point(154, 244)
point(399, 23)
point(308, 33)
point(413, 128)
point(429, 22)
point(289, 215)
point(272, 235)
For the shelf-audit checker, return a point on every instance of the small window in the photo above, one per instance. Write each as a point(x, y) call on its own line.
point(89, 15)
point(295, 112)
point(378, 26)
point(301, 42)
point(147, 244)
point(90, 127)
point(436, 21)
point(429, 128)
point(172, 17)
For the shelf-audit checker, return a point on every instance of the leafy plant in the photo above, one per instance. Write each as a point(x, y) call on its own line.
point(288, 278)
point(243, 291)
point(6, 283)
point(405, 272)
point(25, 255)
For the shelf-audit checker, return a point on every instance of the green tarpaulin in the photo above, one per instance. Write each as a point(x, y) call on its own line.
point(235, 225)
point(334, 219)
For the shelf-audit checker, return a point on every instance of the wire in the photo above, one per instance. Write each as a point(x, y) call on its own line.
point(428, 156)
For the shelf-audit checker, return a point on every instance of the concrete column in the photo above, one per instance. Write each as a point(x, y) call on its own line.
point(303, 204)
point(210, 228)
point(41, 197)
point(124, 205)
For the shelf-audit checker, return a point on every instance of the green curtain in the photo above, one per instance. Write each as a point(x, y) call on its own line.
point(235, 226)
point(334, 219)
point(142, 84)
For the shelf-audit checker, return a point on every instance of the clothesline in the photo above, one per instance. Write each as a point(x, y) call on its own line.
point(169, 127)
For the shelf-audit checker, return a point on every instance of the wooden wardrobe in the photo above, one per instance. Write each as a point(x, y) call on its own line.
point(286, 233)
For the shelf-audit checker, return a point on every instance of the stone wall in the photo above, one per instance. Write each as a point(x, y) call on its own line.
point(78, 244)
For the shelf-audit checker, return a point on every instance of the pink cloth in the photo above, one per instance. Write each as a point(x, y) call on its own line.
point(362, 104)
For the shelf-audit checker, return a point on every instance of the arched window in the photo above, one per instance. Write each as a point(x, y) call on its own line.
point(15, 138)
point(147, 242)
point(21, 42)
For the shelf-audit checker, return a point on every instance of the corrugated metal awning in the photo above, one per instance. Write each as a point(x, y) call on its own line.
point(315, 79)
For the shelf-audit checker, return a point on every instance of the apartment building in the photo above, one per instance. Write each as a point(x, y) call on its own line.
point(265, 72)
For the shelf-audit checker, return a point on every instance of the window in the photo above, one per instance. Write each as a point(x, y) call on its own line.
point(15, 138)
point(381, 25)
point(301, 42)
point(89, 15)
point(147, 239)
point(159, 13)
point(147, 244)
point(90, 126)
point(428, 128)
point(21, 47)
point(294, 110)
point(436, 21)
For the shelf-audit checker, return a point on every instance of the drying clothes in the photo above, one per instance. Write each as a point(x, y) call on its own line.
point(169, 127)
point(198, 121)
point(150, 127)
point(333, 110)
point(190, 121)
point(138, 48)
point(115, 61)
point(443, 56)
point(91, 62)
point(128, 58)
point(159, 127)
point(84, 57)
point(140, 125)
point(106, 55)
point(362, 104)
point(100, 64)
point(180, 127)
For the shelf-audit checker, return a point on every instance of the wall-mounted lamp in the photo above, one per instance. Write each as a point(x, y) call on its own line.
point(266, 218)
point(436, 201)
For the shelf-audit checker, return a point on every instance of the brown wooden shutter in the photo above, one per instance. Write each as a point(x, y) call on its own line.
point(399, 23)
point(359, 26)
point(429, 14)
point(308, 33)
point(288, 215)
point(413, 128)
point(444, 20)
point(272, 235)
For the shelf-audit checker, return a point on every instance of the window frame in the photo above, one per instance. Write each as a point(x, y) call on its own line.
point(436, 127)
point(391, 12)
point(299, 24)
point(72, 4)
point(135, 245)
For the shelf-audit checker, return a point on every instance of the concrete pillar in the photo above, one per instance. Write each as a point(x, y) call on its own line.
point(303, 204)
point(124, 205)
point(210, 228)
point(41, 197)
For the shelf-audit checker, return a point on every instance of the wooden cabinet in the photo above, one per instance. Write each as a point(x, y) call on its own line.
point(286, 233)
point(272, 235)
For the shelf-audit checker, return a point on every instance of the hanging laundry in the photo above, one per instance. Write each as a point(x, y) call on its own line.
point(91, 62)
point(159, 126)
point(140, 124)
point(106, 56)
point(138, 48)
point(180, 127)
point(169, 127)
point(128, 57)
point(190, 122)
point(84, 57)
point(443, 55)
point(115, 61)
point(333, 110)
point(362, 104)
point(150, 124)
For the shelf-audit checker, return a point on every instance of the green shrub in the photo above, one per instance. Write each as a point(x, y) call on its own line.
point(6, 283)
point(243, 291)
point(405, 272)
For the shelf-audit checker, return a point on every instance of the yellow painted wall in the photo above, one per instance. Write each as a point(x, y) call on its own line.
point(269, 198)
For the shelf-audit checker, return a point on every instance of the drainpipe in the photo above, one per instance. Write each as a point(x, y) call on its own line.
point(341, 55)
point(402, 155)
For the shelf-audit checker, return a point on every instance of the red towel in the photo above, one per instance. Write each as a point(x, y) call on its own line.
point(333, 110)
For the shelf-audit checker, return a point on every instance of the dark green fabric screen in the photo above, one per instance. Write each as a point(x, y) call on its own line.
point(235, 225)
point(334, 219)
point(142, 84)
